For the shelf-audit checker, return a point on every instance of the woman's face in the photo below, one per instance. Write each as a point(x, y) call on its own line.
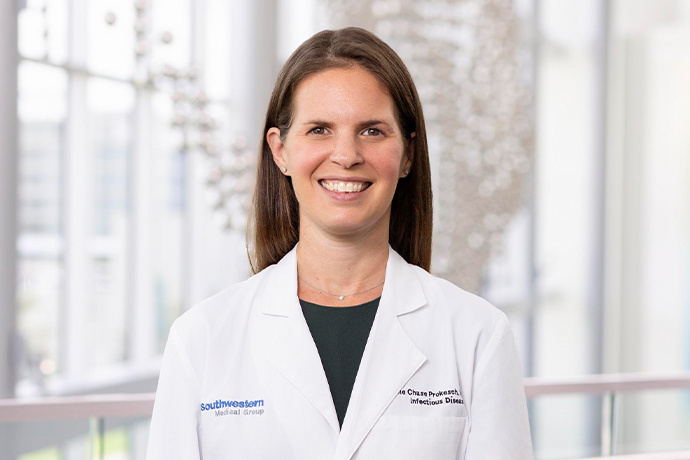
point(344, 152)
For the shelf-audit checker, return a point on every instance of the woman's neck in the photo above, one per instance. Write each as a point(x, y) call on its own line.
point(329, 268)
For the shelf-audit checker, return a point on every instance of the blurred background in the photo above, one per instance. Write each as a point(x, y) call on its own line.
point(560, 146)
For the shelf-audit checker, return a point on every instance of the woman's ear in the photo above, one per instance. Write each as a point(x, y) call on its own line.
point(277, 146)
point(409, 155)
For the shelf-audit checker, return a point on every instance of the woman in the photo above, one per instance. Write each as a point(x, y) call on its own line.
point(342, 346)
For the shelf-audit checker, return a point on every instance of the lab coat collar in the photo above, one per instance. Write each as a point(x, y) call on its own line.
point(390, 357)
point(402, 285)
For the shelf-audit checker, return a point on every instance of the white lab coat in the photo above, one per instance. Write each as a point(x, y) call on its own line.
point(439, 379)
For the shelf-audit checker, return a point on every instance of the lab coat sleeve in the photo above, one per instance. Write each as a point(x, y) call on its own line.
point(173, 433)
point(499, 422)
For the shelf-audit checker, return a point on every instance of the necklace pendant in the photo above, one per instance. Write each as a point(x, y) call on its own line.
point(341, 297)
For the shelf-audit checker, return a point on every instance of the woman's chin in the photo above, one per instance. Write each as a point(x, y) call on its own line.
point(352, 228)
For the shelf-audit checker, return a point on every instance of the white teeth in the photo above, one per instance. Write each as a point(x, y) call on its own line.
point(340, 186)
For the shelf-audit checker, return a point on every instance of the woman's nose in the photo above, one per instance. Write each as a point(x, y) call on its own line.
point(346, 151)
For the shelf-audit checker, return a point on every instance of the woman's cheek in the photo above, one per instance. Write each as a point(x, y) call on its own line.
point(302, 163)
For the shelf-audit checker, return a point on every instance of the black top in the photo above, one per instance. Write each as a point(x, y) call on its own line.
point(340, 334)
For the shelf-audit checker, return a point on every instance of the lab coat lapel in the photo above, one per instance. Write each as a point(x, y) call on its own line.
point(390, 358)
point(287, 342)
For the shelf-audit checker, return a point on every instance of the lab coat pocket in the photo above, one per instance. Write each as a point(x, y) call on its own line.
point(413, 438)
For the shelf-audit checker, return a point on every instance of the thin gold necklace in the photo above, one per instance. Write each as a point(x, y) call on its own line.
point(340, 296)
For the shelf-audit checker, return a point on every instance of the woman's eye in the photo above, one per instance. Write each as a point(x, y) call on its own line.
point(372, 132)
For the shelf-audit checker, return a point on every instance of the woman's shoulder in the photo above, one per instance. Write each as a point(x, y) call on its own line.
point(227, 306)
point(459, 305)
point(474, 322)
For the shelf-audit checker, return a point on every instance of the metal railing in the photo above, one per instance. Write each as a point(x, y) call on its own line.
point(98, 407)
point(684, 455)
point(76, 407)
point(93, 408)
point(610, 386)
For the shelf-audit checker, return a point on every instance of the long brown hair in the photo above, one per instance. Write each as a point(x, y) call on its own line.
point(273, 228)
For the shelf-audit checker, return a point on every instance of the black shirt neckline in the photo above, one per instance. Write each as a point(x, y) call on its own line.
point(334, 307)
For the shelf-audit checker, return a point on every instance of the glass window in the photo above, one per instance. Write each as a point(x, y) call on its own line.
point(110, 108)
point(111, 37)
point(558, 436)
point(167, 206)
point(653, 421)
point(43, 26)
point(113, 299)
point(216, 56)
point(42, 109)
point(171, 34)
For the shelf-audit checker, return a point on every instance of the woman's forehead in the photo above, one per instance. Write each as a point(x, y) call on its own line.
point(343, 92)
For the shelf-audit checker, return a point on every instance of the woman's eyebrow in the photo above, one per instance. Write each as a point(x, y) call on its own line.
point(360, 125)
point(324, 123)
point(373, 122)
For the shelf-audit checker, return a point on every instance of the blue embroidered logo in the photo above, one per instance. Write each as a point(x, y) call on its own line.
point(234, 407)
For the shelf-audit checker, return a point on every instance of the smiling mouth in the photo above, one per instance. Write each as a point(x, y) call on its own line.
point(344, 186)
